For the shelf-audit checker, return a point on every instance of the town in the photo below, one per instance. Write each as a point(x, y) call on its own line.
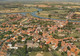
point(27, 35)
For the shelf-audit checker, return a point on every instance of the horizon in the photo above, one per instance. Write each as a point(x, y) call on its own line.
point(45, 0)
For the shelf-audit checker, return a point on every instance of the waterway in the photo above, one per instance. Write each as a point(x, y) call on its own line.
point(34, 14)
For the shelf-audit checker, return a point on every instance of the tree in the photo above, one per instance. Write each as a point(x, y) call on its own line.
point(64, 53)
point(9, 32)
point(59, 44)
point(79, 53)
point(30, 38)
point(29, 49)
point(46, 29)
point(19, 52)
point(49, 15)
point(54, 53)
point(1, 36)
point(25, 47)
point(68, 48)
point(71, 10)
point(36, 49)
point(45, 48)
point(25, 41)
point(40, 33)
point(24, 28)
point(13, 43)
point(77, 37)
point(56, 31)
point(69, 26)
point(38, 12)
point(19, 37)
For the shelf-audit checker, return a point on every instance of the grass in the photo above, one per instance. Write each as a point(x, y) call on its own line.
point(75, 33)
point(47, 54)
point(32, 54)
point(46, 13)
point(77, 44)
point(30, 9)
point(1, 19)
point(17, 10)
point(44, 53)
point(14, 55)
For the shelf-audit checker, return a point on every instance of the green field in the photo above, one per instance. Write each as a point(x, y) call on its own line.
point(44, 53)
point(57, 14)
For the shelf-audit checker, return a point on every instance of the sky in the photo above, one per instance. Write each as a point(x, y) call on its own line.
point(45, 0)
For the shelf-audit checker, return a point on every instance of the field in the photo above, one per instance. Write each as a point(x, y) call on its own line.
point(15, 10)
point(39, 53)
point(1, 20)
point(57, 14)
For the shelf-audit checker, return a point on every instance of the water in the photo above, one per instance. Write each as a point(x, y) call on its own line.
point(34, 14)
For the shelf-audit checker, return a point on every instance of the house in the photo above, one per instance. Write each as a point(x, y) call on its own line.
point(13, 47)
point(19, 45)
point(2, 53)
point(36, 45)
point(9, 46)
point(23, 39)
point(29, 43)
point(61, 35)
point(70, 53)
point(54, 47)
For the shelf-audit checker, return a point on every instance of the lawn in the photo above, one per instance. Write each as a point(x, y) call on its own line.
point(32, 53)
point(44, 53)
point(47, 54)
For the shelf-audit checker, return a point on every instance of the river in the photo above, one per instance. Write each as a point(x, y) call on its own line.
point(34, 14)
